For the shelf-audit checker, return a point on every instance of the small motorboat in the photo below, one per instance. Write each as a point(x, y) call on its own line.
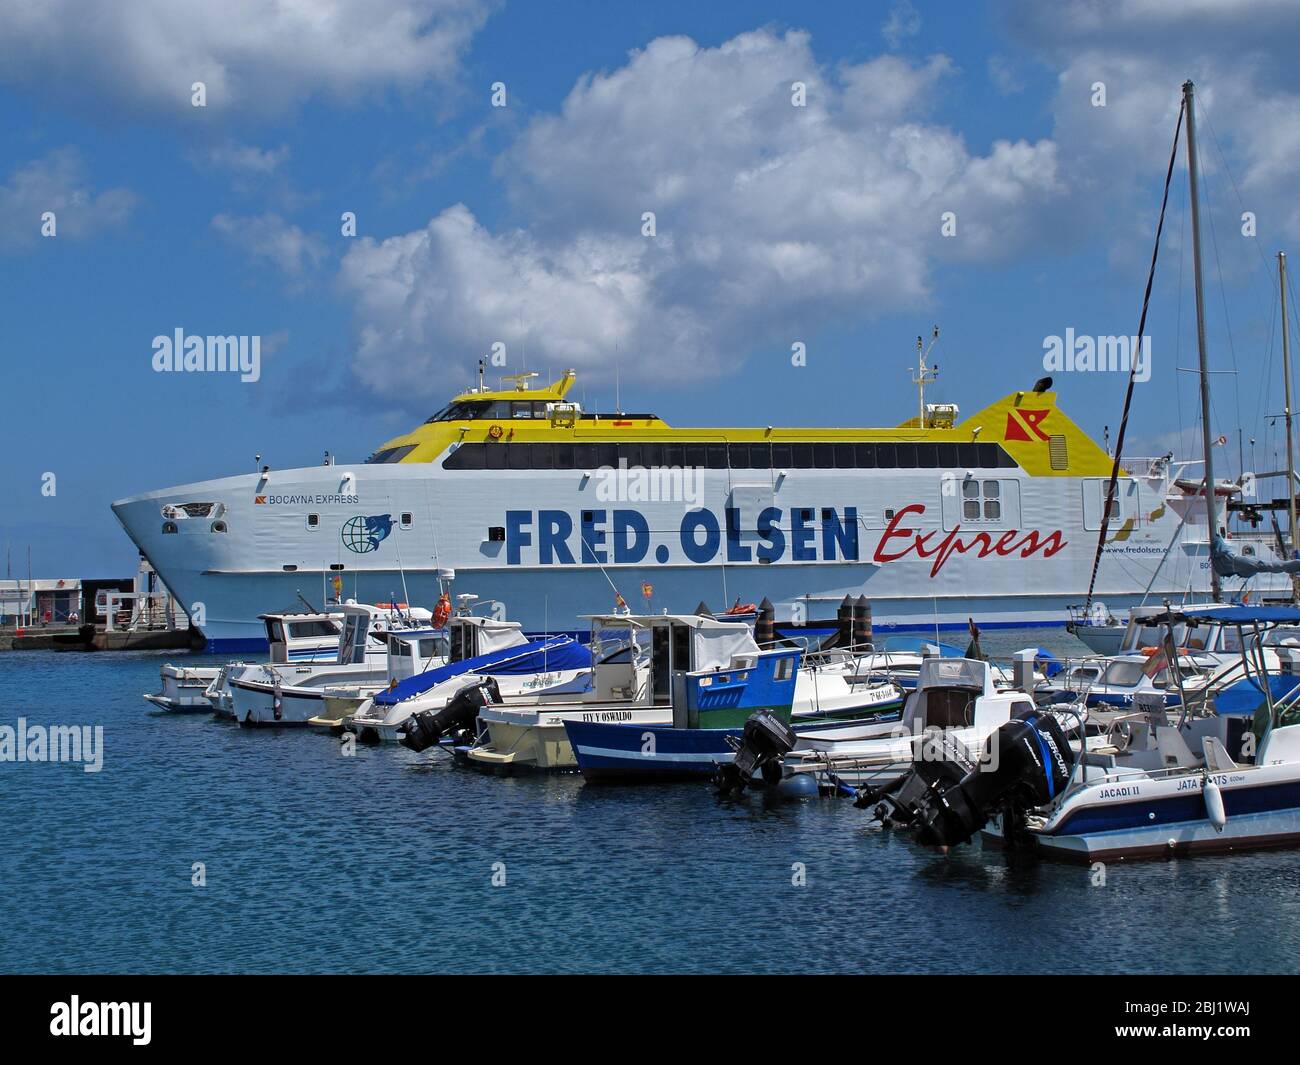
point(1164, 782)
point(956, 706)
point(282, 693)
point(183, 689)
point(302, 637)
point(524, 669)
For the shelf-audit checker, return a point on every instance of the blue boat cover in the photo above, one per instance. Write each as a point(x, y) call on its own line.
point(536, 656)
point(1048, 662)
point(1246, 696)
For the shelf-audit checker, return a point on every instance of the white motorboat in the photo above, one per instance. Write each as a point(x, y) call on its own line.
point(480, 647)
point(281, 693)
point(1162, 782)
point(307, 637)
point(955, 707)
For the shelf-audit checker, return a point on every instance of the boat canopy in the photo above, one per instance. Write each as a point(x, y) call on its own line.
point(556, 653)
point(493, 635)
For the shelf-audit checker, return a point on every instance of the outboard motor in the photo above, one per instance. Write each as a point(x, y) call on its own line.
point(1026, 763)
point(940, 764)
point(765, 740)
point(422, 730)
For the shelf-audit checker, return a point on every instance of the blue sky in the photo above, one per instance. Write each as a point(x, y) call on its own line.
point(775, 225)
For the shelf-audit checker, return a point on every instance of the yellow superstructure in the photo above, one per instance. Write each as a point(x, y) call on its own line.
point(1029, 426)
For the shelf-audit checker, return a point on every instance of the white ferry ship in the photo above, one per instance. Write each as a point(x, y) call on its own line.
point(535, 502)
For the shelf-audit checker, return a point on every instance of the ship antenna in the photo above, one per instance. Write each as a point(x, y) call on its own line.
point(481, 386)
point(924, 374)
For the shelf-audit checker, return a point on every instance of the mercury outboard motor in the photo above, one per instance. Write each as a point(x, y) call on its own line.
point(765, 740)
point(422, 730)
point(1026, 763)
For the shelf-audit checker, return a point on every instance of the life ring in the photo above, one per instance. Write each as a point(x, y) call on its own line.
point(495, 432)
point(442, 611)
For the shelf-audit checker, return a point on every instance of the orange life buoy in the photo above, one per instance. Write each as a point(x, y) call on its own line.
point(442, 611)
point(495, 432)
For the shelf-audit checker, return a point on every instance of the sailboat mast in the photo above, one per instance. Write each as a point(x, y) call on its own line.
point(1193, 178)
point(1290, 449)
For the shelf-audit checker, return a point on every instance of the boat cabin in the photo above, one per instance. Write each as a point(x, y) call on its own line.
point(959, 693)
point(366, 629)
point(470, 636)
point(303, 637)
point(412, 651)
point(649, 655)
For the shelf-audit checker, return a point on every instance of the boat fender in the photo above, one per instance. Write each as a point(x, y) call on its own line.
point(1214, 808)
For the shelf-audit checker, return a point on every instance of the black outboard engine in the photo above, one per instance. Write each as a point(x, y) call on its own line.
point(422, 730)
point(939, 764)
point(766, 739)
point(1026, 763)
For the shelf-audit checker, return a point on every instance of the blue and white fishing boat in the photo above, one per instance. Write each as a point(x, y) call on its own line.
point(647, 669)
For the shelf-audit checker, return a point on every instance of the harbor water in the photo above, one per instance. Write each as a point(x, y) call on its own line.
point(203, 847)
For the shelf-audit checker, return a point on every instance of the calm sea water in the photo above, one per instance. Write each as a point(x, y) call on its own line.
point(383, 862)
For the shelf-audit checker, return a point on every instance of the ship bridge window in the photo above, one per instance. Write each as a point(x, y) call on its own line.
point(391, 454)
point(464, 411)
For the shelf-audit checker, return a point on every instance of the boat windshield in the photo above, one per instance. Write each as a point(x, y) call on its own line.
point(1123, 674)
point(467, 410)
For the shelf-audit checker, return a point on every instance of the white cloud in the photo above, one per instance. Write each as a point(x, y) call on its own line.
point(57, 182)
point(246, 159)
point(254, 56)
point(771, 218)
point(269, 239)
point(904, 21)
point(1239, 53)
point(1004, 76)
